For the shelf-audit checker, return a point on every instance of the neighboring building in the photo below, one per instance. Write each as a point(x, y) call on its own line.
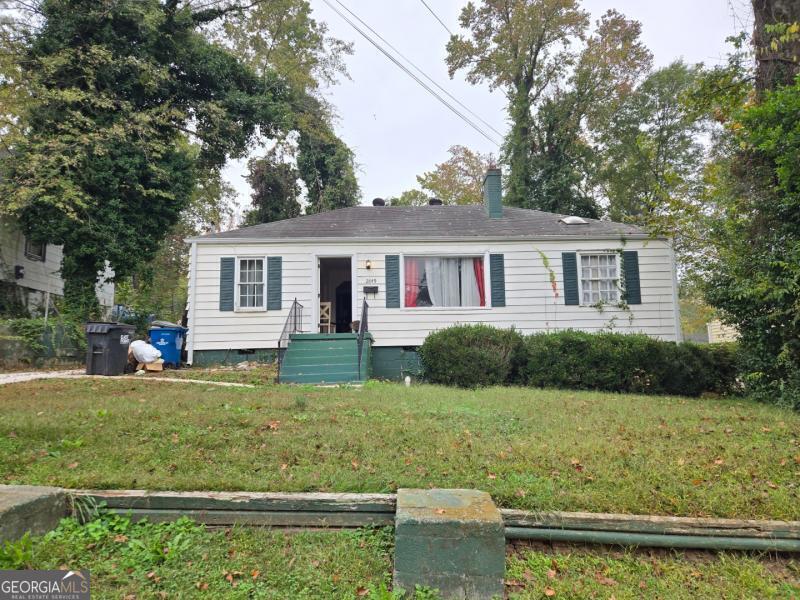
point(420, 269)
point(34, 270)
point(720, 332)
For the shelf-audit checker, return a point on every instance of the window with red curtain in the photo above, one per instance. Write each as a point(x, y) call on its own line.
point(477, 266)
point(414, 268)
point(444, 281)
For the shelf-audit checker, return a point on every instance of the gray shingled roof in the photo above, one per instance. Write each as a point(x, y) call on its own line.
point(425, 223)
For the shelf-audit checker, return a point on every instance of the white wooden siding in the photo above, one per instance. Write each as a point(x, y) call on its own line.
point(531, 304)
point(41, 276)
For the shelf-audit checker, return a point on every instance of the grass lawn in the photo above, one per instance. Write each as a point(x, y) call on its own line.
point(579, 574)
point(182, 559)
point(530, 449)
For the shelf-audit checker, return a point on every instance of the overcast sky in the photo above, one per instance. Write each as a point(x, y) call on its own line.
point(398, 130)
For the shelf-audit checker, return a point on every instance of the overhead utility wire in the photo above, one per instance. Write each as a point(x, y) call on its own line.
point(430, 10)
point(410, 74)
point(420, 71)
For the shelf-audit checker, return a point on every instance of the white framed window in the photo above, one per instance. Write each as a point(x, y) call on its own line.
point(34, 251)
point(599, 278)
point(251, 286)
point(444, 281)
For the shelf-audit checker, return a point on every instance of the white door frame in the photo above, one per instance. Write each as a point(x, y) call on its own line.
point(315, 291)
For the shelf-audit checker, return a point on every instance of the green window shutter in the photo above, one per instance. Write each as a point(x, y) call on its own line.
point(274, 281)
point(630, 272)
point(392, 281)
point(497, 278)
point(569, 265)
point(227, 285)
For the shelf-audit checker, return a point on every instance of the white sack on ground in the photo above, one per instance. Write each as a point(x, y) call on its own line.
point(144, 352)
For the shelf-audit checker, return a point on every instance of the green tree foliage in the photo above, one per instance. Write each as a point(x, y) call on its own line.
point(103, 167)
point(561, 83)
point(409, 198)
point(283, 36)
point(521, 48)
point(650, 161)
point(325, 163)
point(459, 179)
point(754, 180)
point(756, 280)
point(276, 190)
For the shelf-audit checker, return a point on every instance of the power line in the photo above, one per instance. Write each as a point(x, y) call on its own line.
point(430, 10)
point(401, 66)
point(420, 71)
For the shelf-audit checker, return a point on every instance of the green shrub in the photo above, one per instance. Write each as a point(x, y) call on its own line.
point(628, 363)
point(472, 355)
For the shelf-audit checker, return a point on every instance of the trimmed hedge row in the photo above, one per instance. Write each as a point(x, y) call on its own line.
point(478, 355)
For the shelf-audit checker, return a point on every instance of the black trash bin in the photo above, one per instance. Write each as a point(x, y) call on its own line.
point(107, 347)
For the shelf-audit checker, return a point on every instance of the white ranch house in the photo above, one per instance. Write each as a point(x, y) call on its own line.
point(302, 283)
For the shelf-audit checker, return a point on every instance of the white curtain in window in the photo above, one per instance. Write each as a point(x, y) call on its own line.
point(470, 295)
point(441, 275)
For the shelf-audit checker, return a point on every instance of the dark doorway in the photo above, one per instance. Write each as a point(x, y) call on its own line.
point(335, 287)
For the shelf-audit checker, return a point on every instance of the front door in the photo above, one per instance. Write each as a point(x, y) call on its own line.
point(335, 294)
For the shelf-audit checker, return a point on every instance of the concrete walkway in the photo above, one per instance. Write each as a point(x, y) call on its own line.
point(6, 378)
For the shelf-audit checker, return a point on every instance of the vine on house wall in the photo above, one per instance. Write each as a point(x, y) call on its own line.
point(622, 303)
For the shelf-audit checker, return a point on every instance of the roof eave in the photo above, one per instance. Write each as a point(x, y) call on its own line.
point(340, 240)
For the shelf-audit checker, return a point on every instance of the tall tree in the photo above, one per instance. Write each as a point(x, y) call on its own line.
point(103, 167)
point(521, 48)
point(276, 190)
point(283, 36)
point(562, 85)
point(325, 163)
point(755, 277)
point(651, 166)
point(459, 179)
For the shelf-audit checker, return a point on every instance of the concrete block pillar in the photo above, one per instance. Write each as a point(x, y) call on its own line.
point(29, 508)
point(450, 540)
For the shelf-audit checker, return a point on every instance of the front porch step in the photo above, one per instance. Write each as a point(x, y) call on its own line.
point(325, 358)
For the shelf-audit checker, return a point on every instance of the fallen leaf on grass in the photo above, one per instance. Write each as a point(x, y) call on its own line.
point(551, 574)
point(719, 461)
point(255, 574)
point(576, 464)
point(491, 476)
point(73, 465)
point(520, 493)
point(175, 438)
point(361, 591)
point(354, 463)
point(603, 580)
point(201, 585)
point(549, 592)
point(120, 538)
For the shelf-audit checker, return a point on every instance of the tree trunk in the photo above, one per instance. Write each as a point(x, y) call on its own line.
point(775, 67)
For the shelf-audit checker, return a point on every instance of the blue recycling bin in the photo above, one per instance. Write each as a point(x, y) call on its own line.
point(170, 341)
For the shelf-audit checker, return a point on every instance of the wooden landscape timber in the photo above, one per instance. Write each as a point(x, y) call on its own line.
point(336, 510)
point(660, 525)
point(249, 508)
